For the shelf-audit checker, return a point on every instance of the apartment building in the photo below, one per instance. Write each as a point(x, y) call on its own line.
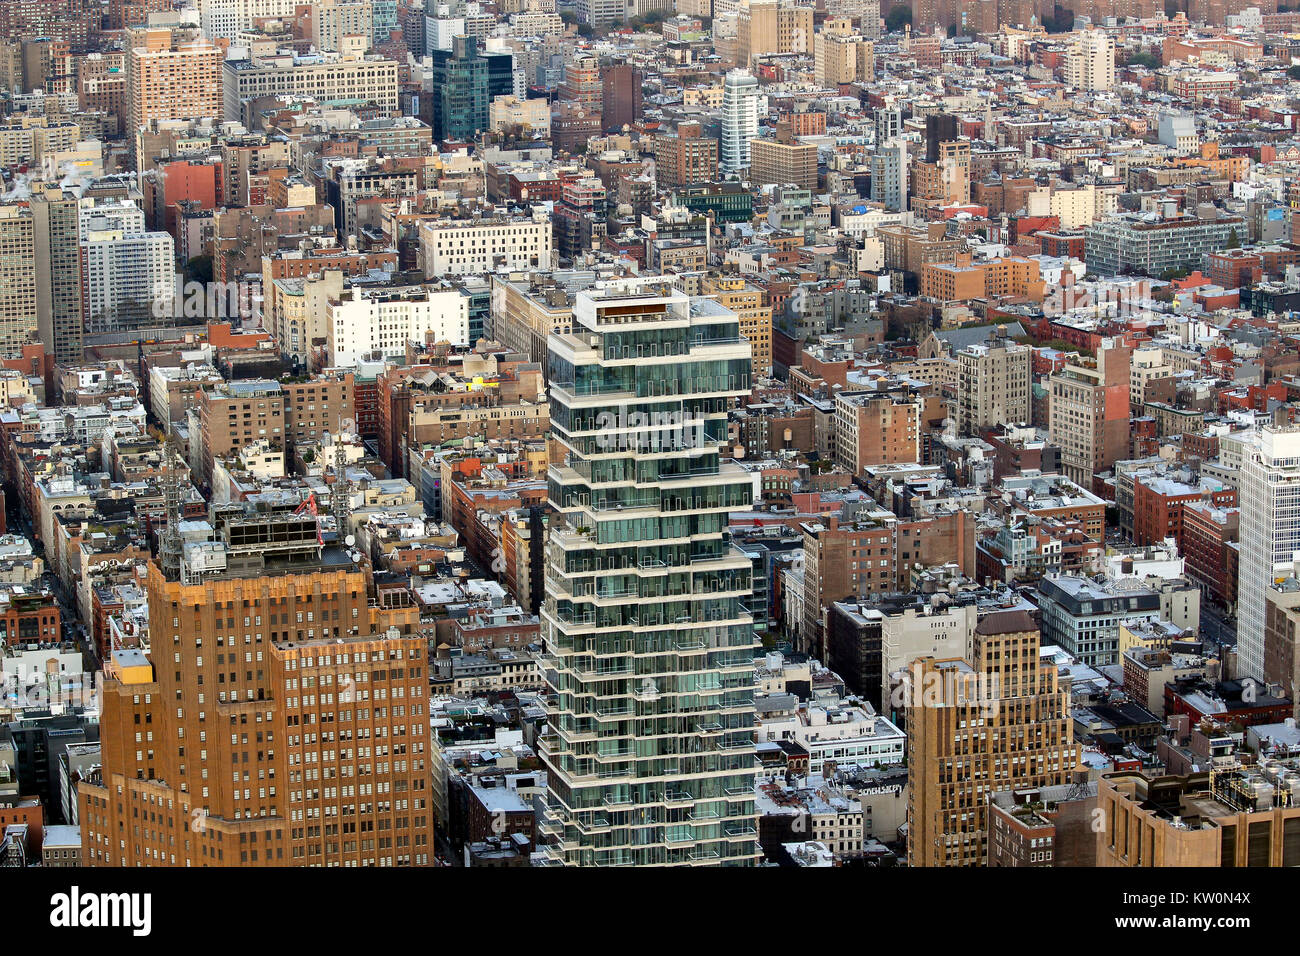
point(944, 180)
point(994, 382)
point(840, 561)
point(749, 304)
point(1089, 412)
point(1269, 486)
point(236, 415)
point(842, 55)
point(386, 320)
point(323, 77)
point(230, 18)
point(876, 428)
point(626, 784)
point(1090, 62)
point(740, 105)
point(318, 405)
point(460, 246)
point(765, 27)
point(170, 77)
point(685, 157)
point(128, 278)
point(772, 162)
point(994, 279)
point(18, 306)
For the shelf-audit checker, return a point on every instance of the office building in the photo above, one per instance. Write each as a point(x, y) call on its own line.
point(1000, 721)
point(229, 18)
point(286, 715)
point(649, 640)
point(1237, 814)
point(323, 77)
point(1152, 245)
point(459, 92)
point(460, 246)
point(1083, 617)
point(601, 13)
point(620, 96)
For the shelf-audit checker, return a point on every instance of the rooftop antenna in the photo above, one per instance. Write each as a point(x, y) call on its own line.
point(340, 499)
point(171, 547)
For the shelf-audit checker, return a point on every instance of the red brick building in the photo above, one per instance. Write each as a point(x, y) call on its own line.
point(28, 616)
point(1207, 547)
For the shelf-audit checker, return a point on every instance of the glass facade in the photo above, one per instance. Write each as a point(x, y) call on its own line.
point(460, 91)
point(649, 639)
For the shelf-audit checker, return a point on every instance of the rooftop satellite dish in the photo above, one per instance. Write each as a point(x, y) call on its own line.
point(350, 540)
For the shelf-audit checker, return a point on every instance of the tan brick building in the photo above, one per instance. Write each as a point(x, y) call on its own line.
point(775, 163)
point(750, 305)
point(238, 414)
point(994, 384)
point(18, 306)
point(279, 723)
point(1236, 815)
point(685, 157)
point(998, 722)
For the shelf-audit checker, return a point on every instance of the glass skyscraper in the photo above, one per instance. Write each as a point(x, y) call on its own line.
point(649, 640)
point(459, 89)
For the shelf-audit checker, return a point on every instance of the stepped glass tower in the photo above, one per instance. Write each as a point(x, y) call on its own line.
point(649, 638)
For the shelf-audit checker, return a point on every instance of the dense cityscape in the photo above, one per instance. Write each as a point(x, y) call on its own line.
point(746, 433)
